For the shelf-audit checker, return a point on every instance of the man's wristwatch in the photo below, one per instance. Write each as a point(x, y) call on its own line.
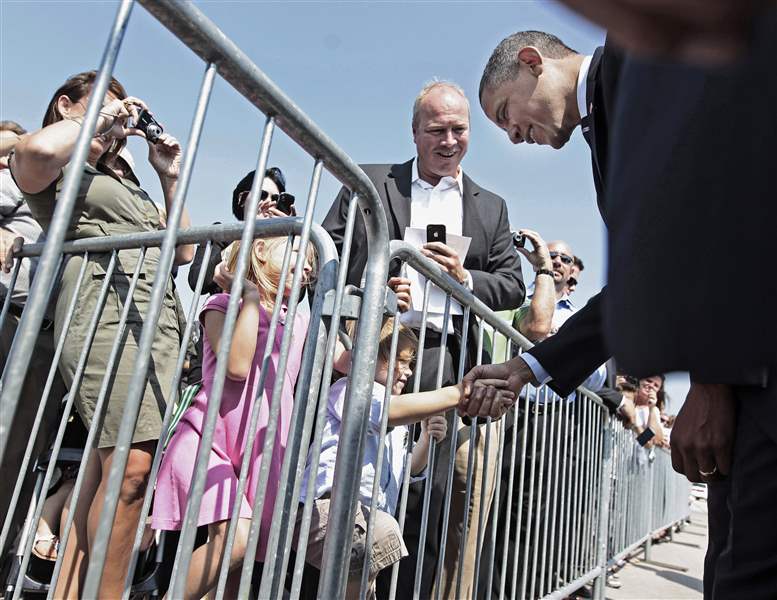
point(543, 272)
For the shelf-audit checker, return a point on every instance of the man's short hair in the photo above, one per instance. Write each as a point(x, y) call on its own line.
point(577, 261)
point(503, 65)
point(12, 126)
point(433, 85)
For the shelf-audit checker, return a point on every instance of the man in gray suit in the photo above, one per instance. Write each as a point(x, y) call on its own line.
point(433, 189)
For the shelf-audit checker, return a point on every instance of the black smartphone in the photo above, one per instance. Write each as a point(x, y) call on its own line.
point(435, 233)
point(644, 437)
point(285, 202)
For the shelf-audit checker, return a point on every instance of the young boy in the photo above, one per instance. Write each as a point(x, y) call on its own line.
point(426, 407)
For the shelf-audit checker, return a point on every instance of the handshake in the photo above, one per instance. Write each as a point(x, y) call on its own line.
point(491, 390)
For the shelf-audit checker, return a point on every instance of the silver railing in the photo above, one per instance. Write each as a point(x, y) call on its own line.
point(562, 463)
point(221, 57)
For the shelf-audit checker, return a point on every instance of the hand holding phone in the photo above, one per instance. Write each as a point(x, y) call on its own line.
point(644, 437)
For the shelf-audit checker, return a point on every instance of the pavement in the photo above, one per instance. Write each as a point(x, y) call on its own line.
point(675, 568)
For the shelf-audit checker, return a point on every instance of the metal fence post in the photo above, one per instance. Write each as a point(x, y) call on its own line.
point(604, 507)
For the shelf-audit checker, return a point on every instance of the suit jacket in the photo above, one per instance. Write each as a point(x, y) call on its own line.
point(492, 261)
point(578, 348)
point(693, 212)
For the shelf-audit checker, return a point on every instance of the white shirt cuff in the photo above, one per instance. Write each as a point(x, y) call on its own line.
point(470, 285)
point(539, 372)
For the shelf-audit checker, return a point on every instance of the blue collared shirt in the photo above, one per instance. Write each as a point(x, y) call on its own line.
point(393, 455)
point(564, 309)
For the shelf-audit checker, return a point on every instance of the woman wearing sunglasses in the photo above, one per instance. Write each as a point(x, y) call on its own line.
point(273, 202)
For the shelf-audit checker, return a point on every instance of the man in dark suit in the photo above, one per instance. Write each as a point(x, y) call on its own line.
point(684, 168)
point(433, 189)
point(539, 90)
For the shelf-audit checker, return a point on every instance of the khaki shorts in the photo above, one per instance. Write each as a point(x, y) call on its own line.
point(387, 544)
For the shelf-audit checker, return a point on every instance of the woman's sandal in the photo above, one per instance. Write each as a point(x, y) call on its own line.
point(50, 546)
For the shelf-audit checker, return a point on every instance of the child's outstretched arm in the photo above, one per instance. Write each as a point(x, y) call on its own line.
point(243, 348)
point(411, 408)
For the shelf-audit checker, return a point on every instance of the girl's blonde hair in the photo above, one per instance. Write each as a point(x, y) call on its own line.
point(262, 269)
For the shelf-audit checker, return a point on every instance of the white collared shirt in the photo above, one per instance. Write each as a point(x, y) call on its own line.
point(441, 204)
point(582, 86)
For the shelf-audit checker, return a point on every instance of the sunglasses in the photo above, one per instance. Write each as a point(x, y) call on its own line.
point(283, 201)
point(565, 258)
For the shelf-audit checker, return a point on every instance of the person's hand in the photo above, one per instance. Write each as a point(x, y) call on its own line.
point(10, 243)
point(112, 120)
point(479, 402)
point(401, 287)
point(539, 258)
point(694, 31)
point(436, 427)
point(653, 397)
point(165, 156)
point(223, 277)
point(703, 433)
point(447, 258)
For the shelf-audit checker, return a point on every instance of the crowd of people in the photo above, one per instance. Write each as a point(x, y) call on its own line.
point(535, 88)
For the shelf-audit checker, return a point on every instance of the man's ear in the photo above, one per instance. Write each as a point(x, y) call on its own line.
point(531, 57)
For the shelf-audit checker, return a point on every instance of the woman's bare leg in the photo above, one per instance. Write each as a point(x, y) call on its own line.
point(206, 560)
point(125, 522)
point(75, 561)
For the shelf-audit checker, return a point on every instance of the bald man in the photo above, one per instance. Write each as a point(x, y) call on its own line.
point(432, 188)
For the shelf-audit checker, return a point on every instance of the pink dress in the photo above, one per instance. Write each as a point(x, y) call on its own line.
point(229, 437)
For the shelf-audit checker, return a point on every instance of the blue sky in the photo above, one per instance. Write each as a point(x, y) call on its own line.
point(353, 67)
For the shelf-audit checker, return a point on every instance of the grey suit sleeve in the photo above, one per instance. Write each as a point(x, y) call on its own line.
point(500, 285)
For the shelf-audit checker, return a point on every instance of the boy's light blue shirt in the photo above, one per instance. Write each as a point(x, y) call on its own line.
point(393, 455)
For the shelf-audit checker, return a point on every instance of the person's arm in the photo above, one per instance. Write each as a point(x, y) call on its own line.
point(243, 348)
point(500, 285)
point(535, 322)
point(410, 408)
point(576, 350)
point(165, 158)
point(38, 158)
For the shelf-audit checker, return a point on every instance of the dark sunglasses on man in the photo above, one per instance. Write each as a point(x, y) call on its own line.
point(283, 201)
point(565, 258)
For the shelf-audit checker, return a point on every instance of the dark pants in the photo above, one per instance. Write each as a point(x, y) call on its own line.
point(541, 499)
point(23, 421)
point(741, 559)
point(415, 500)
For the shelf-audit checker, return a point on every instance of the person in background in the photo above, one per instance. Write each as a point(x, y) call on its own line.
point(574, 276)
point(427, 407)
point(17, 227)
point(261, 285)
point(106, 205)
point(433, 188)
point(273, 184)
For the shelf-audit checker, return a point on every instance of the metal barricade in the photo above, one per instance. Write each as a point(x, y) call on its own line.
point(578, 498)
point(562, 467)
point(225, 59)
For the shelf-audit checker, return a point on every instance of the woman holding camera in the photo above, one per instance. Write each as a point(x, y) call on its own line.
point(105, 205)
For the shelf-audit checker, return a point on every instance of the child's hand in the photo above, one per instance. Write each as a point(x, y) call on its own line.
point(223, 277)
point(435, 427)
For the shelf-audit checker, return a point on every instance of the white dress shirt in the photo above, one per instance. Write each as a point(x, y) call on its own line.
point(441, 204)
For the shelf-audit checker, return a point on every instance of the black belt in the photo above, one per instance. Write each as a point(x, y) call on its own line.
point(17, 311)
